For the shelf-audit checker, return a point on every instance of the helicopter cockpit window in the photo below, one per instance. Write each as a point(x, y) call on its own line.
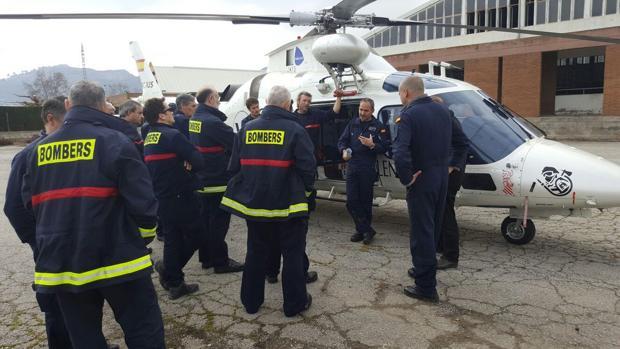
point(392, 82)
point(491, 134)
point(388, 115)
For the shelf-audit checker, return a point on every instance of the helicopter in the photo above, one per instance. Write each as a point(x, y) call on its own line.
point(511, 164)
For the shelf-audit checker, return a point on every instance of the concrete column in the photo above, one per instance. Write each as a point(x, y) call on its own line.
point(484, 73)
point(611, 85)
point(548, 82)
point(521, 83)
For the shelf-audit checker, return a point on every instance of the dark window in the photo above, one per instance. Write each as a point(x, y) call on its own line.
point(330, 133)
point(529, 12)
point(540, 12)
point(458, 7)
point(503, 17)
point(393, 36)
point(422, 28)
point(457, 20)
point(493, 134)
point(402, 35)
point(439, 30)
point(492, 18)
point(481, 5)
point(471, 17)
point(392, 82)
point(597, 7)
point(448, 7)
point(565, 15)
point(553, 11)
point(430, 31)
point(578, 11)
point(514, 13)
point(430, 13)
point(580, 75)
point(481, 19)
point(290, 57)
point(478, 181)
point(611, 7)
point(448, 31)
point(439, 10)
point(471, 5)
point(413, 30)
point(492, 4)
point(386, 38)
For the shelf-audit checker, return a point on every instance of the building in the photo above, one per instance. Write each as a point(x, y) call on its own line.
point(533, 75)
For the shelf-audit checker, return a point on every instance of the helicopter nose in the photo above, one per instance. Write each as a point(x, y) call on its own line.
point(570, 176)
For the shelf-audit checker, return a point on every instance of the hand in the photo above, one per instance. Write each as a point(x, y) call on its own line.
point(415, 177)
point(452, 169)
point(187, 166)
point(338, 93)
point(345, 155)
point(367, 141)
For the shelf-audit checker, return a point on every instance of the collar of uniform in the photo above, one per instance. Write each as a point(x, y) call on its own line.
point(420, 100)
point(162, 125)
point(359, 121)
point(273, 112)
point(86, 114)
point(181, 115)
point(205, 109)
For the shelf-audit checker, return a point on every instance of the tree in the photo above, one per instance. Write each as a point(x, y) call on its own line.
point(47, 85)
point(116, 88)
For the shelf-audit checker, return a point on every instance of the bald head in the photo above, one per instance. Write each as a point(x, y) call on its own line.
point(410, 89)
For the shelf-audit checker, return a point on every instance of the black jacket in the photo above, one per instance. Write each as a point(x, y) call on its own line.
point(274, 164)
point(246, 120)
point(93, 203)
point(214, 140)
point(165, 151)
point(362, 156)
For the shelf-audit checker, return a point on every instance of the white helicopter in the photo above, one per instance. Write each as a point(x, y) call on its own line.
point(511, 164)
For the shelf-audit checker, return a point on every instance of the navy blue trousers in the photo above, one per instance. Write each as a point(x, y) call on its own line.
point(57, 335)
point(448, 242)
point(214, 250)
point(291, 236)
point(275, 254)
point(360, 182)
point(184, 233)
point(425, 200)
point(135, 308)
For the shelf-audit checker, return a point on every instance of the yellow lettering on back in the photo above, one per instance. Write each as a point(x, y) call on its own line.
point(65, 151)
point(152, 138)
point(195, 126)
point(264, 137)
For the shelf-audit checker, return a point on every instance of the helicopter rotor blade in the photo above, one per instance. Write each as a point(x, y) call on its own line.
point(347, 8)
point(241, 19)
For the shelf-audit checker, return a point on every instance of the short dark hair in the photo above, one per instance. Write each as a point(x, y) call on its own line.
point(184, 99)
point(152, 108)
point(55, 107)
point(304, 93)
point(204, 94)
point(128, 107)
point(250, 102)
point(369, 101)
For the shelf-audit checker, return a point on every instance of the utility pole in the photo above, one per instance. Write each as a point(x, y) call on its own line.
point(83, 62)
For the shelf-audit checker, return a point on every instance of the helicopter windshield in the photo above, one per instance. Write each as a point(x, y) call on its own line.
point(493, 131)
point(392, 82)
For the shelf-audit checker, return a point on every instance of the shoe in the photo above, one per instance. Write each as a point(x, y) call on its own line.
point(357, 237)
point(443, 264)
point(207, 265)
point(161, 271)
point(306, 307)
point(160, 238)
point(411, 272)
point(369, 236)
point(414, 292)
point(272, 279)
point(182, 290)
point(232, 267)
point(311, 277)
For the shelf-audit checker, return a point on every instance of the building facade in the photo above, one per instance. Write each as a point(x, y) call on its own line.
point(533, 75)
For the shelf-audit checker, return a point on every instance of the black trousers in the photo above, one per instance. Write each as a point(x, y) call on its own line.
point(448, 242)
point(425, 202)
point(184, 233)
point(275, 254)
point(291, 236)
point(135, 308)
point(57, 334)
point(214, 250)
point(360, 182)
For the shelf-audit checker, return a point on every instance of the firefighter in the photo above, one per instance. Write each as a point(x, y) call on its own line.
point(95, 210)
point(275, 166)
point(169, 157)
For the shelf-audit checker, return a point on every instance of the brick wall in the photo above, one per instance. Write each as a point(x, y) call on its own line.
point(484, 73)
point(611, 89)
point(521, 83)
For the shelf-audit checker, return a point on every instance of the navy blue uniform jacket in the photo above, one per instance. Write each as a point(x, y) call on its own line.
point(214, 140)
point(93, 203)
point(313, 120)
point(424, 138)
point(275, 167)
point(246, 120)
point(181, 123)
point(364, 157)
point(165, 151)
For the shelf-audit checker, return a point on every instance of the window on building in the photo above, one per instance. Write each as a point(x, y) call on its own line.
point(611, 7)
point(503, 17)
point(565, 10)
point(439, 10)
point(439, 30)
point(578, 10)
point(290, 57)
point(529, 12)
point(448, 7)
point(481, 19)
point(514, 13)
point(386, 38)
point(493, 18)
point(378, 40)
point(402, 35)
point(471, 20)
point(597, 8)
point(599, 59)
point(422, 28)
point(553, 11)
point(448, 31)
point(393, 36)
point(456, 20)
point(430, 13)
point(458, 7)
point(580, 75)
point(413, 30)
point(430, 31)
point(540, 11)
point(481, 4)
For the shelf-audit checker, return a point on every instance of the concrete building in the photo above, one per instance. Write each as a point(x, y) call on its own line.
point(533, 75)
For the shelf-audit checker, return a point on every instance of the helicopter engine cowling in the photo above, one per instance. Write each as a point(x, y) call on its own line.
point(339, 48)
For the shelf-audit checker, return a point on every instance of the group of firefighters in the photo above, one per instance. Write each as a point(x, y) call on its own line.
point(91, 192)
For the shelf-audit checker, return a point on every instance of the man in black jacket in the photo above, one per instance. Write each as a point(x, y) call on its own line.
point(275, 166)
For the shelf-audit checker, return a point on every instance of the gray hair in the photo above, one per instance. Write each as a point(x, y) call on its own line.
point(184, 99)
point(128, 107)
point(413, 84)
point(88, 94)
point(278, 96)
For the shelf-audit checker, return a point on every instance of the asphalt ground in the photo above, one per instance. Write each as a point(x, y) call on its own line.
point(562, 290)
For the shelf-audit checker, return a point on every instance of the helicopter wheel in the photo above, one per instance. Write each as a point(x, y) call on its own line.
point(515, 233)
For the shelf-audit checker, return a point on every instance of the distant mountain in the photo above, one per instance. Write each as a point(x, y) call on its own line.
point(13, 86)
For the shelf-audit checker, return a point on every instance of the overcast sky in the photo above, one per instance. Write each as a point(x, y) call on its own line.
point(28, 44)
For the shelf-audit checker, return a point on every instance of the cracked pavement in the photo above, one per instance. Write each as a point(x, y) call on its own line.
point(562, 290)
